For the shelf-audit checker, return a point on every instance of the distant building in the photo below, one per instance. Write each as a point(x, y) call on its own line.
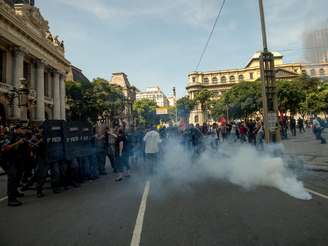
point(155, 94)
point(172, 101)
point(121, 80)
point(316, 45)
point(76, 74)
point(222, 80)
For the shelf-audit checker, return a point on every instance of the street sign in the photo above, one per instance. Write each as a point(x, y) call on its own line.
point(272, 121)
point(161, 111)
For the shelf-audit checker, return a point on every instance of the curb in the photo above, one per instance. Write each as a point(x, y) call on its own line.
point(316, 168)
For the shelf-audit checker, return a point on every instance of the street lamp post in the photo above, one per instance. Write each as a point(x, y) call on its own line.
point(176, 108)
point(269, 93)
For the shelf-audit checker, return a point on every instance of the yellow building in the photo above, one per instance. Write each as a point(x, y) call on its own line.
point(222, 80)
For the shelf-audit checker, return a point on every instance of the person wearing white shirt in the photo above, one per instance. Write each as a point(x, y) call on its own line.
point(152, 141)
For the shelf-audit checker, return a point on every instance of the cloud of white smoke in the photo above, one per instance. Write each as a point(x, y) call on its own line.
point(241, 165)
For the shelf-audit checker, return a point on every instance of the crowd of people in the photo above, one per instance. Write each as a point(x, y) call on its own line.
point(23, 153)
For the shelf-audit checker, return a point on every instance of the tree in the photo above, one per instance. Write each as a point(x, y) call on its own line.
point(316, 102)
point(146, 111)
point(290, 95)
point(184, 106)
point(203, 97)
point(104, 97)
point(242, 100)
point(89, 101)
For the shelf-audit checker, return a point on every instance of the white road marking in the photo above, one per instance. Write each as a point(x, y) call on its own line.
point(140, 218)
point(3, 199)
point(317, 193)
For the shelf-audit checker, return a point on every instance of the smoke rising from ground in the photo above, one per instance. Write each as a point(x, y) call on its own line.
point(238, 164)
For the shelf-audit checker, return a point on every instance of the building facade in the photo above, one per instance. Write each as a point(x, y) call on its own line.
point(222, 80)
point(315, 44)
point(31, 55)
point(155, 94)
point(121, 81)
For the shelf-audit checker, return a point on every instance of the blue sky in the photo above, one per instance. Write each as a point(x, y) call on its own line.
point(158, 42)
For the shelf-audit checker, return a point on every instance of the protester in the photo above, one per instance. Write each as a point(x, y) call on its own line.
point(318, 129)
point(122, 153)
point(293, 125)
point(300, 124)
point(152, 140)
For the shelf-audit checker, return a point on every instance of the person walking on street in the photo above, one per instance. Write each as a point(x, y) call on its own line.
point(152, 141)
point(300, 124)
point(318, 129)
point(123, 156)
point(293, 125)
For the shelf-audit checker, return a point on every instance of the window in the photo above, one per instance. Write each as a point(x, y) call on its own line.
point(193, 79)
point(312, 72)
point(206, 81)
point(251, 76)
point(215, 80)
point(216, 93)
point(322, 72)
point(232, 78)
point(241, 77)
point(196, 119)
point(303, 72)
point(223, 79)
point(2, 66)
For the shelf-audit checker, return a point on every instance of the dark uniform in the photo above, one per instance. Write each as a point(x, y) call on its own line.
point(15, 152)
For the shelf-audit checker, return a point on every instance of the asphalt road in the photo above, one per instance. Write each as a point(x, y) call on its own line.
point(210, 212)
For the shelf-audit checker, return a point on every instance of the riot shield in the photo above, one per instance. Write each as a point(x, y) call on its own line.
point(78, 140)
point(54, 140)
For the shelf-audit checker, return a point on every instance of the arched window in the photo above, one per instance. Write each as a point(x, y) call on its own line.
point(322, 72)
point(196, 118)
point(312, 72)
point(223, 79)
point(215, 80)
point(241, 77)
point(206, 81)
point(232, 78)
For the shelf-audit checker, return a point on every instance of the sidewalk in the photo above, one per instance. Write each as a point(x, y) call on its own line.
point(305, 147)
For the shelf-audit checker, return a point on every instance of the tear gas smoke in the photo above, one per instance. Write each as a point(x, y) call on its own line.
point(239, 164)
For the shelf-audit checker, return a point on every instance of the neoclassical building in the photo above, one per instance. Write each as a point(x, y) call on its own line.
point(222, 80)
point(121, 81)
point(30, 55)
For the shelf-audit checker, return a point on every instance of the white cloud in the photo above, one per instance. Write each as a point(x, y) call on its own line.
point(287, 20)
point(193, 12)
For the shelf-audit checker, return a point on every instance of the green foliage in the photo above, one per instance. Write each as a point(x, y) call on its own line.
point(241, 100)
point(316, 102)
point(88, 101)
point(290, 95)
point(146, 111)
point(185, 106)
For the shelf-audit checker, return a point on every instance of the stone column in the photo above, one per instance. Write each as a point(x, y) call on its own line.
point(62, 97)
point(56, 112)
point(18, 73)
point(40, 108)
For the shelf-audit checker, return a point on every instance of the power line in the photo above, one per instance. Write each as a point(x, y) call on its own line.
point(210, 36)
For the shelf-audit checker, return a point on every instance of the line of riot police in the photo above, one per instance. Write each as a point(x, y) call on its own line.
point(69, 152)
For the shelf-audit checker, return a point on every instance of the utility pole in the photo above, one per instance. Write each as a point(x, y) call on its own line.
point(269, 90)
point(176, 108)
